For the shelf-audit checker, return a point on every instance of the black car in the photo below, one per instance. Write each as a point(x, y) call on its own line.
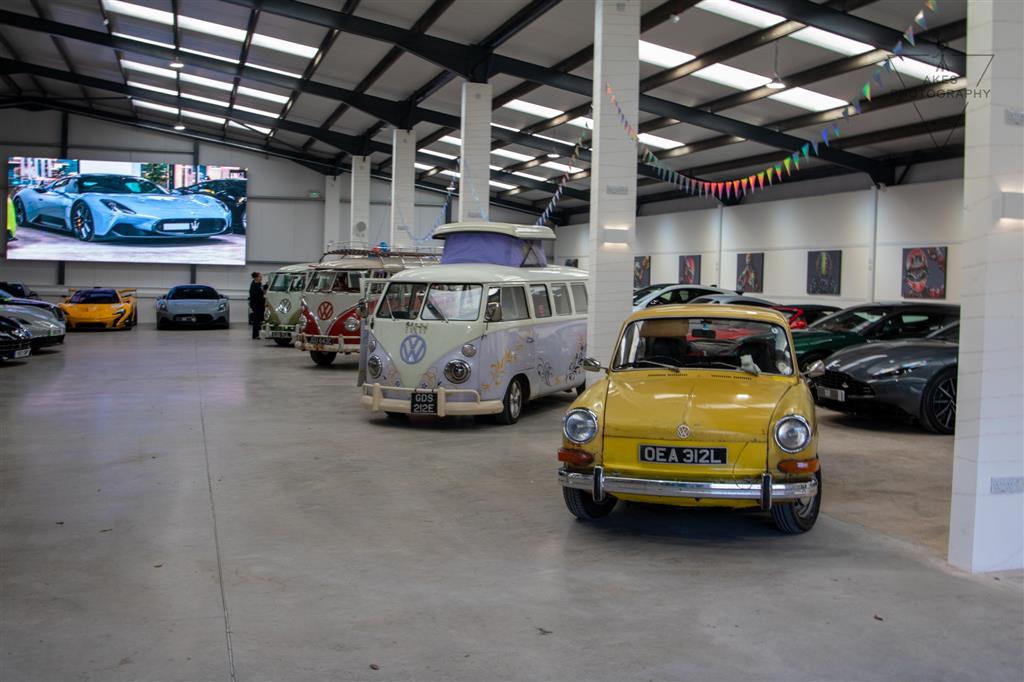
point(18, 290)
point(8, 298)
point(15, 340)
point(230, 191)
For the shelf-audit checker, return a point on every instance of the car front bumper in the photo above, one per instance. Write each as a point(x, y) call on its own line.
point(766, 489)
point(41, 341)
point(139, 226)
point(324, 344)
point(374, 400)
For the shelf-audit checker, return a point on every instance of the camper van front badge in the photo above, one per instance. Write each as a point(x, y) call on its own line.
point(413, 348)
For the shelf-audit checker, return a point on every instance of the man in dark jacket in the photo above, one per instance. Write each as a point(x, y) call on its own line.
point(257, 301)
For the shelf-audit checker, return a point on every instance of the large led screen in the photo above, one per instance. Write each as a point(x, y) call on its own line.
point(122, 211)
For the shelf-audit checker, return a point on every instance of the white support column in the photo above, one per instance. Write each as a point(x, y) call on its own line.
point(332, 210)
point(613, 179)
point(359, 201)
point(474, 186)
point(986, 527)
point(403, 186)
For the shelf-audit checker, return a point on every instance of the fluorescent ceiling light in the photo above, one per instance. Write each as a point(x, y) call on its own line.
point(831, 41)
point(237, 35)
point(662, 56)
point(511, 155)
point(422, 166)
point(743, 13)
point(659, 142)
point(448, 139)
point(175, 112)
point(561, 166)
point(732, 77)
point(148, 68)
point(225, 86)
point(174, 93)
point(253, 92)
point(258, 112)
point(500, 185)
point(533, 109)
point(251, 128)
point(441, 154)
point(452, 173)
point(527, 175)
point(808, 99)
point(920, 70)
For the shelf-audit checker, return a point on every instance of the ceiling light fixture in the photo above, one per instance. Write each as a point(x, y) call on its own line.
point(451, 185)
point(180, 125)
point(776, 82)
point(553, 155)
point(176, 63)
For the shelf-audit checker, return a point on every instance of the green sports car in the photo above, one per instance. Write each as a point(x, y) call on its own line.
point(870, 322)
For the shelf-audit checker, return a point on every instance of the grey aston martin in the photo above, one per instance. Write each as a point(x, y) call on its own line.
point(915, 376)
point(192, 305)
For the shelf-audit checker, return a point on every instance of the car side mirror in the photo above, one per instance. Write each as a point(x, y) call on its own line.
point(362, 308)
point(592, 365)
point(815, 369)
point(493, 312)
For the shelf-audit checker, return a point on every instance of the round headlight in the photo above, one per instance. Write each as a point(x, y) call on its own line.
point(469, 350)
point(373, 366)
point(792, 433)
point(371, 345)
point(580, 425)
point(457, 371)
point(351, 324)
point(266, 314)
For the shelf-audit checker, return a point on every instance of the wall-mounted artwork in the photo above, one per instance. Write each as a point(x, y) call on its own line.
point(641, 271)
point(572, 262)
point(750, 272)
point(924, 272)
point(824, 272)
point(689, 269)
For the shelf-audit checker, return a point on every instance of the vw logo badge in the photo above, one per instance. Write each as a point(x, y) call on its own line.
point(413, 348)
point(325, 310)
point(683, 431)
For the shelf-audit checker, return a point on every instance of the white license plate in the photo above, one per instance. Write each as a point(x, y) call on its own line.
point(832, 394)
point(188, 318)
point(177, 227)
point(23, 353)
point(322, 340)
point(279, 335)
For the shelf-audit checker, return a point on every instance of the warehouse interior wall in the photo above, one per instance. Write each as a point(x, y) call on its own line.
point(926, 214)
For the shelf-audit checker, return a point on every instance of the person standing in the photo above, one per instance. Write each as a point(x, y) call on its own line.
point(257, 301)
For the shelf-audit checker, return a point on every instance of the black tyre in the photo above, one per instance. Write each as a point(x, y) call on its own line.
point(20, 217)
point(283, 342)
point(938, 404)
point(321, 358)
point(515, 397)
point(799, 516)
point(396, 416)
point(82, 223)
point(161, 323)
point(811, 358)
point(582, 505)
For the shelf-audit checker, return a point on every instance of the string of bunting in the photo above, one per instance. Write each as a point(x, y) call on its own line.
point(784, 167)
point(442, 214)
point(550, 209)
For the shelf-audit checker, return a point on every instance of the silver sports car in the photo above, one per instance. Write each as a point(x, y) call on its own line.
point(917, 377)
point(193, 305)
point(46, 328)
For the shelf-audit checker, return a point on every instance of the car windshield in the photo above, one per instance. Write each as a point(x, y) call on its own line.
point(193, 294)
point(855, 321)
point(117, 184)
point(95, 296)
point(453, 302)
point(644, 291)
point(402, 301)
point(704, 343)
point(336, 281)
point(950, 333)
point(279, 282)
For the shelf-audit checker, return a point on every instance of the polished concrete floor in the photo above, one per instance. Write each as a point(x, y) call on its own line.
point(197, 506)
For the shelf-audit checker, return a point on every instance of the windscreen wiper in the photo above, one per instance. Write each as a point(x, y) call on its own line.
point(433, 308)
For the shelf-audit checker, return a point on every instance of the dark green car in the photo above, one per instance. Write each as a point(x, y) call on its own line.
point(871, 322)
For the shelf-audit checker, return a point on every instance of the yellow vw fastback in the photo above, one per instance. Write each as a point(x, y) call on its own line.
point(701, 406)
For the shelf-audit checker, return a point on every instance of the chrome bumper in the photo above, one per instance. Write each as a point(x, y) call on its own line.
point(765, 490)
point(373, 399)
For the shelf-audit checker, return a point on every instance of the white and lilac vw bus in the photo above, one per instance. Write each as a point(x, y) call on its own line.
point(481, 334)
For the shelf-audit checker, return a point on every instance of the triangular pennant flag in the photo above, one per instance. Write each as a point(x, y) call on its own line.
point(930, 4)
point(920, 20)
point(760, 179)
point(898, 49)
point(867, 91)
point(877, 76)
point(887, 65)
point(608, 87)
point(814, 146)
point(743, 185)
point(736, 187)
point(796, 160)
point(720, 188)
point(856, 106)
point(728, 190)
point(804, 149)
point(750, 180)
point(787, 162)
point(835, 131)
point(909, 35)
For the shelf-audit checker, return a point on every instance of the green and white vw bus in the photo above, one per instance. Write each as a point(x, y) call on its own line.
point(281, 317)
point(481, 334)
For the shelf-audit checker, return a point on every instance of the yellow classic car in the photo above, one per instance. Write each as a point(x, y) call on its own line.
point(702, 406)
point(100, 308)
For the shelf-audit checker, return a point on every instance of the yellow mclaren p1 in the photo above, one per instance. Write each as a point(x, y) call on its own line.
point(100, 308)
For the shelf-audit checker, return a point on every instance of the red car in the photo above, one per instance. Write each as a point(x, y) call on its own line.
point(802, 316)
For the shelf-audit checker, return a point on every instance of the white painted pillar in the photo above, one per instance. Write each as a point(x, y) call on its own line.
point(332, 211)
point(986, 527)
point(359, 201)
point(474, 186)
point(403, 186)
point(613, 179)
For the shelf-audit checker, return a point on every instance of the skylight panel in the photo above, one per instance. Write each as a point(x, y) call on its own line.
point(441, 154)
point(508, 154)
point(659, 142)
point(531, 177)
point(422, 166)
point(259, 94)
point(251, 128)
point(662, 56)
point(807, 99)
point(258, 112)
point(831, 41)
point(732, 77)
point(500, 185)
point(237, 35)
point(448, 139)
point(174, 93)
point(533, 109)
point(176, 112)
point(148, 68)
point(562, 167)
point(742, 13)
point(920, 70)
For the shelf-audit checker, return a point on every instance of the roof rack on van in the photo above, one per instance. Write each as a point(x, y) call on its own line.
point(360, 249)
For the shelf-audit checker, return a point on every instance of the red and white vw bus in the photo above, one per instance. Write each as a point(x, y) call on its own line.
point(330, 322)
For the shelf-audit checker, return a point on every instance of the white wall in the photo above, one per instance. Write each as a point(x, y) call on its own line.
point(925, 214)
point(285, 224)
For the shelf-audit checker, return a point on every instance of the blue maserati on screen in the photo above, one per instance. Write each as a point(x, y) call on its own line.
point(102, 206)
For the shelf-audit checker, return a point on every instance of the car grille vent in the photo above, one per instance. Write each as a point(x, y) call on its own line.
point(844, 382)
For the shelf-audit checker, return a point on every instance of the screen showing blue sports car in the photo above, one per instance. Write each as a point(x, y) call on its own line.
point(69, 209)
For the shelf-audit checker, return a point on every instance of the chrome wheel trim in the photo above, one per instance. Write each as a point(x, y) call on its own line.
point(19, 211)
point(944, 403)
point(81, 221)
point(515, 399)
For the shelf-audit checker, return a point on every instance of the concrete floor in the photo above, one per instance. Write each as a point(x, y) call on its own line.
point(34, 243)
point(192, 505)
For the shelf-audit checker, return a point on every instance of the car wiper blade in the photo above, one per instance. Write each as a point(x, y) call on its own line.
point(658, 364)
point(433, 308)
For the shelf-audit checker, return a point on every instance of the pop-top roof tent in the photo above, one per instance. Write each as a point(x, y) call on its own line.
point(494, 243)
